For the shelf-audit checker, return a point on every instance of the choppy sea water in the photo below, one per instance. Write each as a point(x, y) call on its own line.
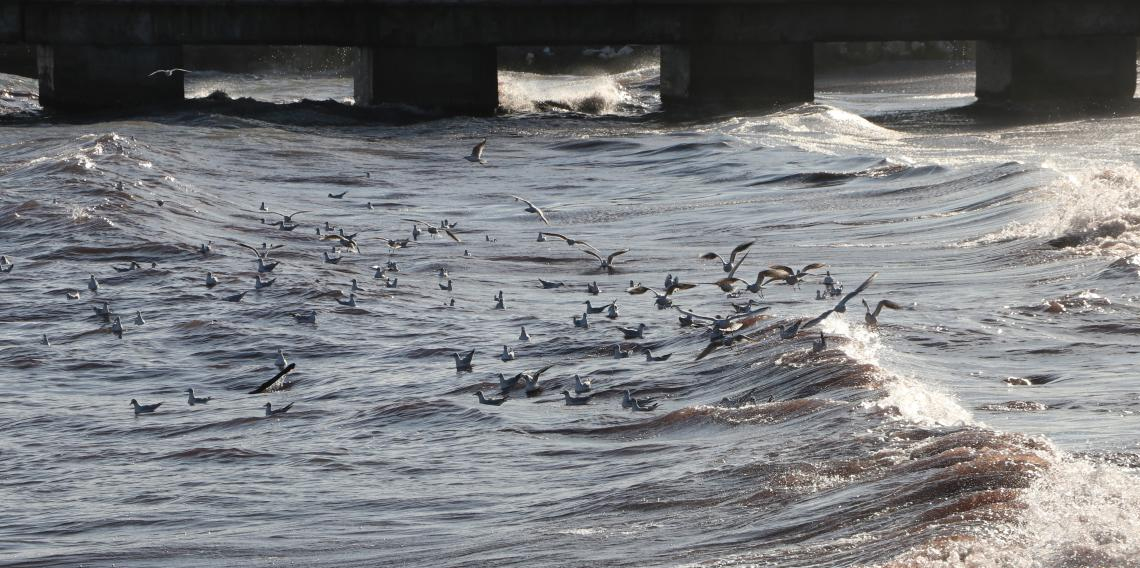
point(992, 421)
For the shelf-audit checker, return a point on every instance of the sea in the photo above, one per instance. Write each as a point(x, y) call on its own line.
point(989, 419)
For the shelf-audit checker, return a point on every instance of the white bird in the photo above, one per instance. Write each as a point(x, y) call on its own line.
point(169, 72)
point(608, 262)
point(508, 354)
point(192, 400)
point(281, 362)
point(139, 318)
point(477, 153)
point(144, 408)
point(92, 284)
point(628, 400)
point(73, 295)
point(211, 280)
point(531, 208)
point(270, 412)
point(576, 400)
point(620, 353)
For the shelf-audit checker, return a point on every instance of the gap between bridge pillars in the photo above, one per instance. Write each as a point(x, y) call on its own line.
point(736, 76)
point(86, 77)
point(1078, 69)
point(457, 80)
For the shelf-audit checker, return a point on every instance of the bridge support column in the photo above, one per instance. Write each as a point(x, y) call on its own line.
point(84, 77)
point(1080, 69)
point(736, 76)
point(459, 80)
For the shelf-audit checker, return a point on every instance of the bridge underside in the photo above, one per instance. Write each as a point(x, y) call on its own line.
point(705, 76)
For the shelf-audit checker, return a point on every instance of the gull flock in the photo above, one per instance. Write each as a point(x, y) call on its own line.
point(721, 331)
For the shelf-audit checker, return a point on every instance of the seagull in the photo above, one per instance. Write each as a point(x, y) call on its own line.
point(447, 286)
point(332, 259)
point(263, 252)
point(93, 284)
point(264, 267)
point(356, 287)
point(531, 388)
point(592, 288)
point(541, 238)
point(442, 273)
point(278, 382)
point(206, 247)
point(793, 277)
point(416, 232)
point(263, 207)
point(463, 360)
point(236, 297)
point(117, 327)
point(132, 266)
point(745, 307)
point(346, 241)
point(576, 400)
point(612, 310)
point(391, 266)
point(523, 336)
point(281, 362)
point(530, 208)
point(395, 244)
point(508, 354)
point(45, 340)
point(872, 318)
point(477, 156)
point(350, 302)
point(568, 240)
point(169, 72)
point(104, 311)
point(620, 353)
point(828, 282)
point(729, 265)
point(819, 344)
point(633, 333)
point(650, 357)
point(73, 295)
point(662, 300)
point(270, 412)
point(730, 323)
point(305, 317)
point(211, 280)
point(192, 400)
point(581, 386)
point(288, 219)
point(506, 384)
point(627, 400)
point(285, 226)
point(581, 322)
point(841, 307)
point(592, 309)
point(638, 406)
point(139, 319)
point(338, 195)
point(492, 401)
point(606, 263)
point(258, 283)
point(144, 408)
point(727, 284)
point(391, 282)
point(547, 284)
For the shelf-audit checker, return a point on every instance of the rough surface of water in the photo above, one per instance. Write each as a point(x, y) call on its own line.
point(989, 422)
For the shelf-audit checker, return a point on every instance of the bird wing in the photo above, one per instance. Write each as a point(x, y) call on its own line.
point(418, 221)
point(297, 213)
point(783, 268)
point(541, 371)
point(266, 386)
point(679, 286)
point(639, 289)
point(738, 263)
point(610, 258)
point(452, 235)
point(856, 291)
point(692, 315)
point(541, 215)
point(556, 235)
point(885, 304)
point(528, 203)
point(726, 284)
point(739, 249)
point(711, 256)
point(812, 266)
point(592, 253)
point(817, 319)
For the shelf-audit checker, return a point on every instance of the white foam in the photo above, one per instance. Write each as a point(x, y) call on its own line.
point(529, 92)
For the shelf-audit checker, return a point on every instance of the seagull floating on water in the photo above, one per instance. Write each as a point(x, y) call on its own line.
point(492, 401)
point(139, 318)
point(211, 280)
point(350, 302)
point(192, 400)
point(582, 322)
point(236, 297)
point(45, 340)
point(73, 294)
point(620, 353)
point(649, 356)
point(576, 400)
point(508, 354)
point(258, 283)
point(593, 289)
point(633, 333)
point(581, 386)
point(523, 336)
point(270, 412)
point(547, 284)
point(93, 284)
point(309, 316)
point(463, 360)
point(144, 408)
point(281, 362)
point(117, 327)
point(338, 195)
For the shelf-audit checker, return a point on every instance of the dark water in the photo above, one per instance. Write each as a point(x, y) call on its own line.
point(905, 445)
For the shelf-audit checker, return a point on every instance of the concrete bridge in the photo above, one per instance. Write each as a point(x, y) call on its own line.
point(442, 53)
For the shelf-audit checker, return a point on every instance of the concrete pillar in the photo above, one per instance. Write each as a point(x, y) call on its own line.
point(74, 77)
point(1078, 69)
point(459, 80)
point(736, 76)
